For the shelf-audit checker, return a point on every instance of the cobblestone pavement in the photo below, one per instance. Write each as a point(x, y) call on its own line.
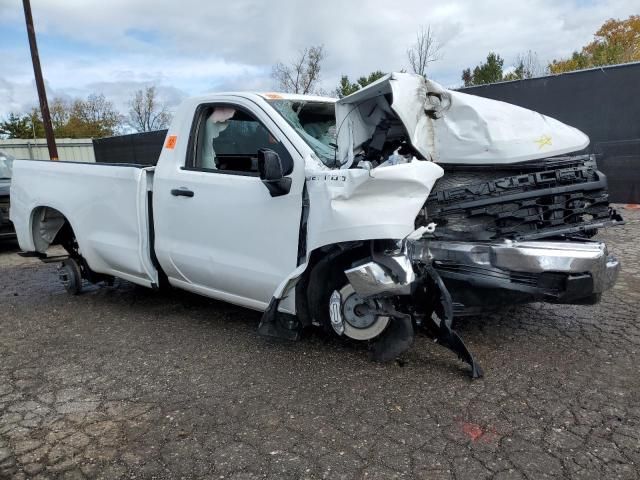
point(123, 382)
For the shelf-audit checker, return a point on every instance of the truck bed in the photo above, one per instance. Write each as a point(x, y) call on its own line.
point(106, 205)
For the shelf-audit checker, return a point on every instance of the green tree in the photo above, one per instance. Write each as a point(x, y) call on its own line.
point(488, 72)
point(616, 41)
point(517, 74)
point(94, 117)
point(91, 118)
point(346, 87)
point(17, 126)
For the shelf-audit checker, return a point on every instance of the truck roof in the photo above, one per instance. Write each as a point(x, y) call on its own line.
point(268, 96)
point(296, 96)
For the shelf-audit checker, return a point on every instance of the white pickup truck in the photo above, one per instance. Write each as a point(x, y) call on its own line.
point(393, 209)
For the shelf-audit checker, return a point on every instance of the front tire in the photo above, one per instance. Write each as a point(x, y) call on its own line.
point(360, 320)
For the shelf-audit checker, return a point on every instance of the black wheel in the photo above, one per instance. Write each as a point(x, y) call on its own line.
point(70, 276)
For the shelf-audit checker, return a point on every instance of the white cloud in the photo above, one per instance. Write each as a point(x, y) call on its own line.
point(193, 46)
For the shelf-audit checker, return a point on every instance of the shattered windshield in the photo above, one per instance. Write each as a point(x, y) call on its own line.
point(315, 122)
point(6, 163)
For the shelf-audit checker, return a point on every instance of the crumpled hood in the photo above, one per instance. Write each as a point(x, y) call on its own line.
point(450, 127)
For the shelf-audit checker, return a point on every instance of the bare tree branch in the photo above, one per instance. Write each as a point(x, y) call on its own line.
point(526, 66)
point(146, 113)
point(302, 74)
point(531, 66)
point(424, 51)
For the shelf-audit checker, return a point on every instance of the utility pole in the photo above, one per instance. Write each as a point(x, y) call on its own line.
point(42, 94)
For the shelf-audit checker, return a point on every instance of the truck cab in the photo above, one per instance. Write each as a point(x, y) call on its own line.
point(220, 224)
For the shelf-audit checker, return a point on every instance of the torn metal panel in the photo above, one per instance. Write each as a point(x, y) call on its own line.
point(358, 204)
point(372, 279)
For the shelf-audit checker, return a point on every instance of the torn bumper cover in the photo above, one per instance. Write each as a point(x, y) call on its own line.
point(386, 276)
point(457, 276)
point(556, 272)
point(396, 277)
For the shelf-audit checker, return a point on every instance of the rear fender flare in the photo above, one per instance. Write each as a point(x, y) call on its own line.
point(45, 224)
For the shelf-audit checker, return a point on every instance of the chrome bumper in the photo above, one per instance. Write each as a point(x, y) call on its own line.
point(561, 272)
point(505, 261)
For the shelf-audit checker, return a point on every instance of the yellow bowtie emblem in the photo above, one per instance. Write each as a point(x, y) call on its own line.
point(543, 141)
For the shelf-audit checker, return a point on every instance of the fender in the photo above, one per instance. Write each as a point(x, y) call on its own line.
point(45, 223)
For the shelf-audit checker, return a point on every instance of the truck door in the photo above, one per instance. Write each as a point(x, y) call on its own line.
point(218, 231)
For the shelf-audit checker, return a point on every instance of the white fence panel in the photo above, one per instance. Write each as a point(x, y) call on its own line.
point(69, 149)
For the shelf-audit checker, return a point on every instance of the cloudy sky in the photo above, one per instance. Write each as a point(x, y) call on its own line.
point(193, 46)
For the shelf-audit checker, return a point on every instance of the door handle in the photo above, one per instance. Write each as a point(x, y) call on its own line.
point(182, 192)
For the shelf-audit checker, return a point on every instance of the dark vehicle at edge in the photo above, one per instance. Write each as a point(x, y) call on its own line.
point(6, 227)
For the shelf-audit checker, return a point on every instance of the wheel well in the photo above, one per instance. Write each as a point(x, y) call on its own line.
point(322, 262)
point(50, 227)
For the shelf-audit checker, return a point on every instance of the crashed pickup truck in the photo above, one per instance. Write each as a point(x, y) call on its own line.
point(392, 210)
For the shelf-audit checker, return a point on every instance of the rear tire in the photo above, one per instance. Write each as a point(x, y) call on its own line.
point(70, 276)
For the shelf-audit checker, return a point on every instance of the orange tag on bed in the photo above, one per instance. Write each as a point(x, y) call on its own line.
point(171, 142)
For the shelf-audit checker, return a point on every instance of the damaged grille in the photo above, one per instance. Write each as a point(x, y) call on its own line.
point(553, 197)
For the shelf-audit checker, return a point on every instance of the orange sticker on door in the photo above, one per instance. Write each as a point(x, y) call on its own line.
point(171, 142)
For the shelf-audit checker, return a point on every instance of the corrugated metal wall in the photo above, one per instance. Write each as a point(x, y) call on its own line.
point(69, 149)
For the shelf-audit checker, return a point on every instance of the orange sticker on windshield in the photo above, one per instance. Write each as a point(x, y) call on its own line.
point(171, 142)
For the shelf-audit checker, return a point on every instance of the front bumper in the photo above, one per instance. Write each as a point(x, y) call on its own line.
point(561, 272)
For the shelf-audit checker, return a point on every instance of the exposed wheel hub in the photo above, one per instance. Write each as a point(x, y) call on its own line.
point(65, 276)
point(359, 312)
point(359, 317)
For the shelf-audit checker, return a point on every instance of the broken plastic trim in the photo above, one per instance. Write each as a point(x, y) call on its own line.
point(442, 307)
point(275, 324)
point(372, 279)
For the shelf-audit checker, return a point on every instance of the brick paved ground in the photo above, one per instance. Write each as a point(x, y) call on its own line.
point(123, 382)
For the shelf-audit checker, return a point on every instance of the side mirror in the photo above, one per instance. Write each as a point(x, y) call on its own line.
point(272, 172)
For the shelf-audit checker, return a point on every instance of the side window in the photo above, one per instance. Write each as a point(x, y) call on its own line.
point(228, 140)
